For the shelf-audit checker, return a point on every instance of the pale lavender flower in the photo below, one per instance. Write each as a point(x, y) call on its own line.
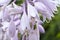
point(24, 22)
point(15, 36)
point(5, 25)
point(4, 2)
point(45, 7)
point(26, 18)
point(1, 14)
point(10, 26)
point(12, 29)
point(33, 7)
point(34, 35)
point(31, 13)
point(41, 29)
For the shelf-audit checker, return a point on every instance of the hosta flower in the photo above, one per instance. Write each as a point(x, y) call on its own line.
point(44, 11)
point(40, 6)
point(45, 7)
point(5, 25)
point(12, 29)
point(41, 29)
point(15, 36)
point(31, 13)
point(25, 19)
point(34, 35)
point(6, 16)
point(4, 2)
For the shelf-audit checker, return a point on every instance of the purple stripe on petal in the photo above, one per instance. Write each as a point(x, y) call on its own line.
point(18, 24)
point(16, 19)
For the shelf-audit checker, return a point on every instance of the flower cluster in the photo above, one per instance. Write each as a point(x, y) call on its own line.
point(25, 19)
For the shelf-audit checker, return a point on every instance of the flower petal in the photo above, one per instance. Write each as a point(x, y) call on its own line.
point(46, 13)
point(5, 25)
point(41, 29)
point(31, 12)
point(24, 22)
point(1, 14)
point(16, 36)
point(4, 2)
point(12, 29)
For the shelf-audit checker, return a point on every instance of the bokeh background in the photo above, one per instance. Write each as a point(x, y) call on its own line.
point(52, 28)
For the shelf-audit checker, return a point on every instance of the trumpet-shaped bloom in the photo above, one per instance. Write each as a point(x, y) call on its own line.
point(26, 18)
point(24, 22)
point(45, 7)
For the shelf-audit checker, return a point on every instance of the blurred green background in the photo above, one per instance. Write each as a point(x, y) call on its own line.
point(52, 28)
